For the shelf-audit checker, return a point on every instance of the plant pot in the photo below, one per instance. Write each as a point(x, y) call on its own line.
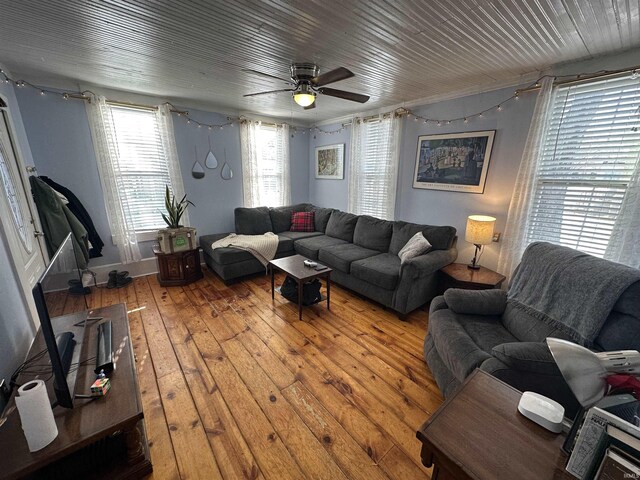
point(173, 240)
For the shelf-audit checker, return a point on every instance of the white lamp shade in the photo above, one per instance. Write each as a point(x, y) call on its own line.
point(479, 229)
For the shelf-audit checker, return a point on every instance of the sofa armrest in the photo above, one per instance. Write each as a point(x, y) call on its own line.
point(427, 264)
point(532, 357)
point(438, 303)
point(476, 302)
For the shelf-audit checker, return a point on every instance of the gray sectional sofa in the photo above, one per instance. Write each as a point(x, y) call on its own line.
point(361, 250)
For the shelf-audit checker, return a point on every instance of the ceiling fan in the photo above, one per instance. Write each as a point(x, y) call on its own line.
point(306, 83)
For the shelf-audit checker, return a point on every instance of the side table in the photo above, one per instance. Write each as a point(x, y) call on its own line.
point(479, 434)
point(458, 275)
point(179, 268)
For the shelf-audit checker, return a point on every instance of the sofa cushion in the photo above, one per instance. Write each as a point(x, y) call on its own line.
point(465, 341)
point(620, 332)
point(382, 270)
point(532, 357)
point(476, 302)
point(341, 225)
point(417, 245)
point(341, 256)
point(373, 233)
point(281, 216)
point(322, 216)
point(440, 237)
point(299, 235)
point(526, 327)
point(302, 222)
point(253, 221)
point(229, 255)
point(309, 247)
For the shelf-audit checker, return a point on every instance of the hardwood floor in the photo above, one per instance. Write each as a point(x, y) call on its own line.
point(234, 386)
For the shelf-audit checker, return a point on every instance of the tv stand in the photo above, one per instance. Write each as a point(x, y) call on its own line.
point(102, 438)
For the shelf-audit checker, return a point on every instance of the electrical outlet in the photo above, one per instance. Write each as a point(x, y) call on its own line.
point(496, 237)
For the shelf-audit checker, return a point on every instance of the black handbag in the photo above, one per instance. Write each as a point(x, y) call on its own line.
point(310, 291)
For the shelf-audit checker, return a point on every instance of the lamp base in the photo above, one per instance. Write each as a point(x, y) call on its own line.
point(473, 267)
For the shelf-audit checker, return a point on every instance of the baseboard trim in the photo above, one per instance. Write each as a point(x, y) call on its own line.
point(146, 266)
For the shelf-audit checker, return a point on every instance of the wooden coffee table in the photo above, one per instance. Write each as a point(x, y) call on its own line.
point(295, 268)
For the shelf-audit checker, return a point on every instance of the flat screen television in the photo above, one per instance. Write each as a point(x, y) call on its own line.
point(54, 302)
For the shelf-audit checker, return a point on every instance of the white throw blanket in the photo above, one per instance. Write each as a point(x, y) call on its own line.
point(263, 247)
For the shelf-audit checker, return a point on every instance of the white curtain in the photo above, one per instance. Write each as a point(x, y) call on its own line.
point(107, 156)
point(373, 167)
point(167, 136)
point(266, 178)
point(624, 244)
point(514, 238)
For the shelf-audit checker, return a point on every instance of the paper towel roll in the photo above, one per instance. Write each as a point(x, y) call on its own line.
point(36, 415)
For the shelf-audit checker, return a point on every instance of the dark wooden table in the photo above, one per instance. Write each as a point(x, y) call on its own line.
point(479, 434)
point(458, 275)
point(179, 268)
point(295, 268)
point(102, 438)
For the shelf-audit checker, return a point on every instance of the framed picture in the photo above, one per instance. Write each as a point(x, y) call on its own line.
point(330, 162)
point(457, 162)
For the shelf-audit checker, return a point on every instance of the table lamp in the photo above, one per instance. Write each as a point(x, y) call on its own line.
point(586, 374)
point(479, 232)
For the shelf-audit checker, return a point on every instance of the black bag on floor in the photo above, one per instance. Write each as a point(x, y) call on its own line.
point(310, 291)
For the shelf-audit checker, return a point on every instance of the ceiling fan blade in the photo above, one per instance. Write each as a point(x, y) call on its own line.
point(354, 97)
point(273, 77)
point(270, 91)
point(336, 75)
point(309, 107)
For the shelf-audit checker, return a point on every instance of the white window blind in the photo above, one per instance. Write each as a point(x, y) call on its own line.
point(144, 168)
point(271, 167)
point(374, 167)
point(589, 154)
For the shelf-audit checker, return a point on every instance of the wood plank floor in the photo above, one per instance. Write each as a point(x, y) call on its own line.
point(234, 386)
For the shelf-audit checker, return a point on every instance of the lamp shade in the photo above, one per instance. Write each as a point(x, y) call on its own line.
point(479, 229)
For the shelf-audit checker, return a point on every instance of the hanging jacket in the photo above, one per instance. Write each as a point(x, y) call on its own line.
point(57, 221)
point(81, 214)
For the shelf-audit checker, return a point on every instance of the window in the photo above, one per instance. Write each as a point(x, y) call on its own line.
point(373, 171)
point(588, 156)
point(265, 164)
point(144, 170)
point(137, 157)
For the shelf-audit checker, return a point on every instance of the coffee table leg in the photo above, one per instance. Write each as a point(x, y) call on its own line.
point(273, 291)
point(299, 300)
point(329, 291)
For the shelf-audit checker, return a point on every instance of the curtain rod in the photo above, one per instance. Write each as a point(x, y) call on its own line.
point(584, 78)
point(86, 98)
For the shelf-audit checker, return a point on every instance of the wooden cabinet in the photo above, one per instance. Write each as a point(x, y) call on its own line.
point(458, 275)
point(180, 268)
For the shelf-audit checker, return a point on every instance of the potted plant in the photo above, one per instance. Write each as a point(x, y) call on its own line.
point(175, 238)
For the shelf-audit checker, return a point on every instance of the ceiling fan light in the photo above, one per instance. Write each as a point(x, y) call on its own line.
point(304, 99)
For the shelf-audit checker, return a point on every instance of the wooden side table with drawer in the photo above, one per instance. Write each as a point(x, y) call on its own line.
point(458, 275)
point(179, 268)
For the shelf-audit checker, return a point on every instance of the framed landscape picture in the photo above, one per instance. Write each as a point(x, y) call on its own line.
point(330, 162)
point(457, 162)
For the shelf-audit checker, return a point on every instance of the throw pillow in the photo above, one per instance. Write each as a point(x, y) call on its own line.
point(417, 245)
point(303, 222)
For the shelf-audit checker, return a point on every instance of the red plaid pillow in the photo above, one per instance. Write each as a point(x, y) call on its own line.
point(303, 222)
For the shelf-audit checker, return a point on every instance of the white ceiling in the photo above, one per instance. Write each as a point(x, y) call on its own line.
point(193, 52)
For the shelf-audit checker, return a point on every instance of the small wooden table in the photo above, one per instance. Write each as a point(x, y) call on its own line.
point(458, 275)
point(479, 434)
point(295, 268)
point(179, 268)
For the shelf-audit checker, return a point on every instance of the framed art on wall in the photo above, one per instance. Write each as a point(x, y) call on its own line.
point(330, 162)
point(457, 162)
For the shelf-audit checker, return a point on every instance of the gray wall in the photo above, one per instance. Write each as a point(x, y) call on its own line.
point(60, 139)
point(16, 331)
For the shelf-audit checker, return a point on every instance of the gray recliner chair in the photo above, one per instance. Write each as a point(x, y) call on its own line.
point(555, 292)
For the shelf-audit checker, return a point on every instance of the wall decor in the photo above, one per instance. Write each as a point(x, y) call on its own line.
point(211, 161)
point(226, 173)
point(197, 171)
point(457, 162)
point(330, 162)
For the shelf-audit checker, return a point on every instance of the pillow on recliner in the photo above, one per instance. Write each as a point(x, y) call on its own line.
point(476, 302)
point(532, 357)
